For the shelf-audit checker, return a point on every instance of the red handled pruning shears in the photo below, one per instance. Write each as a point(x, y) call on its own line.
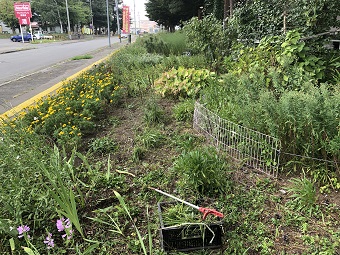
point(203, 210)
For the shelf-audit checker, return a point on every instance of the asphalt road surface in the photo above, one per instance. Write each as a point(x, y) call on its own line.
point(28, 69)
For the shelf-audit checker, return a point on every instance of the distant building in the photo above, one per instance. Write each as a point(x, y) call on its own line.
point(144, 26)
point(4, 29)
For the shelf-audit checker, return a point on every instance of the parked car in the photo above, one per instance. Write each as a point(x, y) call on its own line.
point(38, 35)
point(18, 38)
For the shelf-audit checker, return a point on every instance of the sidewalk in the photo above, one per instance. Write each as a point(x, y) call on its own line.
point(16, 46)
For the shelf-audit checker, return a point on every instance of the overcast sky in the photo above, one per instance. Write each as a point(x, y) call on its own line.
point(140, 8)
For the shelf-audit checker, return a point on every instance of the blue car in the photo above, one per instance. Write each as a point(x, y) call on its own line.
point(18, 38)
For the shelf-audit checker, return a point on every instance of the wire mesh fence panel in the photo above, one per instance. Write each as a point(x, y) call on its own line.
point(257, 150)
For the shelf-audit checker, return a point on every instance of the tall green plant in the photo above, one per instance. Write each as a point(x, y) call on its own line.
point(207, 37)
point(201, 170)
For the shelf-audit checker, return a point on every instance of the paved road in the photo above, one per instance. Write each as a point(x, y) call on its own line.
point(28, 69)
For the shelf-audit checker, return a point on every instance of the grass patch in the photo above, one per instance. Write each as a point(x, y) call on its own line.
point(82, 57)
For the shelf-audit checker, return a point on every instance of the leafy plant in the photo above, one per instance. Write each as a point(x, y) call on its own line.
point(63, 195)
point(183, 83)
point(208, 37)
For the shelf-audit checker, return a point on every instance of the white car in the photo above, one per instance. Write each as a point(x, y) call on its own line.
point(38, 35)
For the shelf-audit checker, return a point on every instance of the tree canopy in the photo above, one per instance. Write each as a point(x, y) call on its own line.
point(7, 14)
point(252, 19)
point(53, 13)
point(172, 13)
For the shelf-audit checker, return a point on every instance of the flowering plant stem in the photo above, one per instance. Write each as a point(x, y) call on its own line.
point(62, 195)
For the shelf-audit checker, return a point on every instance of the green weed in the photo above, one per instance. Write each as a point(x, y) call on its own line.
point(102, 145)
point(304, 195)
point(153, 113)
point(184, 111)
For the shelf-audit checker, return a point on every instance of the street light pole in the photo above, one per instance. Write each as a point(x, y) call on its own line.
point(108, 21)
point(134, 14)
point(68, 22)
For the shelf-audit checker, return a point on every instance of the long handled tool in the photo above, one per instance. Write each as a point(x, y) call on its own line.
point(203, 210)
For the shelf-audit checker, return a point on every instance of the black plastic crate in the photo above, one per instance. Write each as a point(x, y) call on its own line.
point(189, 237)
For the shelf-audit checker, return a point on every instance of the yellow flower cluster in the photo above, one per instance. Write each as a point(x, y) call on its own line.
point(71, 107)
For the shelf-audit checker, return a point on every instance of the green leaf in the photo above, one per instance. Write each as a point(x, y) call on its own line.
point(12, 244)
point(29, 251)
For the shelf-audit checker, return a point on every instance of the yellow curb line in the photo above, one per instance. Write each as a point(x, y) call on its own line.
point(17, 109)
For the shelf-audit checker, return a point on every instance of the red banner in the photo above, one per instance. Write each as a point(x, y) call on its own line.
point(126, 19)
point(23, 12)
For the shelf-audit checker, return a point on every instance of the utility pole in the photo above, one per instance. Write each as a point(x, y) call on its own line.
point(68, 22)
point(118, 25)
point(91, 17)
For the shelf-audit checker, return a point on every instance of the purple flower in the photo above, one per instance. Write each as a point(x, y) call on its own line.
point(22, 229)
point(68, 223)
point(60, 224)
point(49, 241)
point(65, 225)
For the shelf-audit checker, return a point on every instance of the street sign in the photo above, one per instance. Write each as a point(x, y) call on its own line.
point(23, 13)
point(22, 10)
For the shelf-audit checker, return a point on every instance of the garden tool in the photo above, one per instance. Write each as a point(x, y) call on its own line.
point(203, 210)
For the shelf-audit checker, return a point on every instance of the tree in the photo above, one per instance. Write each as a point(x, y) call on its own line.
point(7, 15)
point(171, 13)
point(50, 13)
